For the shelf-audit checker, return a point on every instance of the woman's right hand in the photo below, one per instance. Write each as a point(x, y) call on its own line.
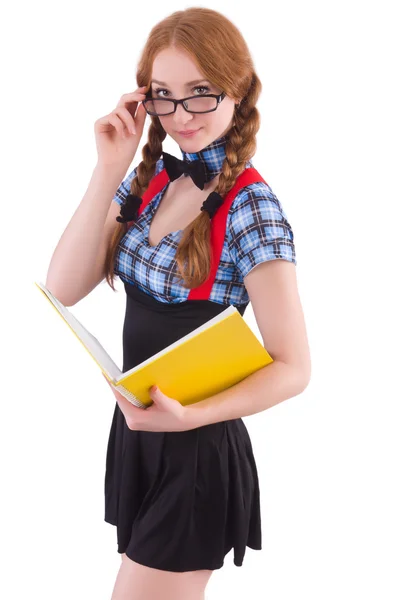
point(118, 134)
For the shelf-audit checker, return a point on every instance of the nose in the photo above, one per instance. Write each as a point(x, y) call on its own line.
point(181, 115)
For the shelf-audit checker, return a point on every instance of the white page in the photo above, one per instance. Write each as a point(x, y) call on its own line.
point(90, 342)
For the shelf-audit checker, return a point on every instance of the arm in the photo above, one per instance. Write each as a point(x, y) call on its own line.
point(272, 288)
point(75, 257)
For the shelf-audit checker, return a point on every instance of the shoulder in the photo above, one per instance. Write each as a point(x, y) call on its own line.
point(256, 202)
point(257, 228)
point(256, 195)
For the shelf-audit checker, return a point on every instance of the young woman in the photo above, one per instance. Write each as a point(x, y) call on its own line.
point(188, 237)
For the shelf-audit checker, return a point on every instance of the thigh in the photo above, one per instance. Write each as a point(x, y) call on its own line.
point(138, 582)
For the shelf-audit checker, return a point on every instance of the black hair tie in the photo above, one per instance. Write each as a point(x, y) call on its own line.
point(129, 208)
point(212, 203)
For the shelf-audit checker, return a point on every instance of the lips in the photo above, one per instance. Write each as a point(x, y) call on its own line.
point(187, 131)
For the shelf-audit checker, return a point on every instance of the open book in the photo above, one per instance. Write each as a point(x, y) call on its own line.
point(204, 362)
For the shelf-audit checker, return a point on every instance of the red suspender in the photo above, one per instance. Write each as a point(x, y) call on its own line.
point(155, 186)
point(218, 231)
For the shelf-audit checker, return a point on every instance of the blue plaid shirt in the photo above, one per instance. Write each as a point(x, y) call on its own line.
point(257, 230)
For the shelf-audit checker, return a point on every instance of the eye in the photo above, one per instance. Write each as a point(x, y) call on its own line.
point(158, 90)
point(204, 89)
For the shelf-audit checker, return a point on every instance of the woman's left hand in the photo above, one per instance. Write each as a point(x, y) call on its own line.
point(165, 414)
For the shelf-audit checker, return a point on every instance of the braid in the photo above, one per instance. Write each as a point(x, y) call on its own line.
point(151, 153)
point(193, 255)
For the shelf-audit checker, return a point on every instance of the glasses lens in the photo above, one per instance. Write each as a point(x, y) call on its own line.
point(165, 107)
point(159, 107)
point(201, 104)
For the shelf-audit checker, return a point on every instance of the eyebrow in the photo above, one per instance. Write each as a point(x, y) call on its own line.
point(186, 85)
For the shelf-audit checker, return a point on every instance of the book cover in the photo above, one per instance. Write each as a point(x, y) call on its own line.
point(209, 359)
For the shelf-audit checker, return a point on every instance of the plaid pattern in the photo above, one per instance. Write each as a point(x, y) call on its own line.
point(257, 230)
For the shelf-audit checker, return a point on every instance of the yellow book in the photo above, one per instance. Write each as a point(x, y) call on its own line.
point(211, 358)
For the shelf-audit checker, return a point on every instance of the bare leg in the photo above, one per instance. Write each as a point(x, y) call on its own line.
point(138, 582)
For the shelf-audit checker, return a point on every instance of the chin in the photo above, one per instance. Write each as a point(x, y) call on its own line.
point(195, 143)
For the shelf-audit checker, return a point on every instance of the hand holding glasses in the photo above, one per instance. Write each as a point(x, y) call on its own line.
point(118, 134)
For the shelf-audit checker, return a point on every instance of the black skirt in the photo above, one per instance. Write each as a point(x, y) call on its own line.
point(180, 500)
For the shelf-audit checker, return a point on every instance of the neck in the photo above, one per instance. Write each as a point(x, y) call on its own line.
point(212, 157)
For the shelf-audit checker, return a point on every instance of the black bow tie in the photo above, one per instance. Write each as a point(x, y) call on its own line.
point(175, 167)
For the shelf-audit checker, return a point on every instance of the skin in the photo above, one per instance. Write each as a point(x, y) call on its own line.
point(176, 69)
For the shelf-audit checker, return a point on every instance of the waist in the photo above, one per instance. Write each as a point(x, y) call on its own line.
point(151, 325)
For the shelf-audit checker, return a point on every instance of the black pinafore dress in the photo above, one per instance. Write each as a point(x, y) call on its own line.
point(180, 500)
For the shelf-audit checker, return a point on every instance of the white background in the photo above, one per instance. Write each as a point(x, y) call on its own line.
point(327, 147)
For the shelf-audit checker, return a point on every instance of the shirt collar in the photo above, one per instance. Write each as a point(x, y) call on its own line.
point(212, 157)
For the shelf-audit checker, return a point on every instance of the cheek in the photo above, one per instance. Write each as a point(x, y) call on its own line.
point(226, 111)
point(220, 117)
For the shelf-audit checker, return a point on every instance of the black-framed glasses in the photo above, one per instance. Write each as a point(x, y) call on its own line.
point(193, 104)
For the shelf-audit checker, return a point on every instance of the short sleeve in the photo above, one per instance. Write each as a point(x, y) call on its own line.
point(257, 229)
point(125, 186)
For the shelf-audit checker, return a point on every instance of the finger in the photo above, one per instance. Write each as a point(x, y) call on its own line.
point(131, 99)
point(116, 122)
point(140, 116)
point(125, 115)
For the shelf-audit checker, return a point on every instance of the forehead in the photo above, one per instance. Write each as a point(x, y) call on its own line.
point(186, 84)
point(175, 68)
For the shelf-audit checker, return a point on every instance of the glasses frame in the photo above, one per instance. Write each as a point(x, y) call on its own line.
point(219, 98)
